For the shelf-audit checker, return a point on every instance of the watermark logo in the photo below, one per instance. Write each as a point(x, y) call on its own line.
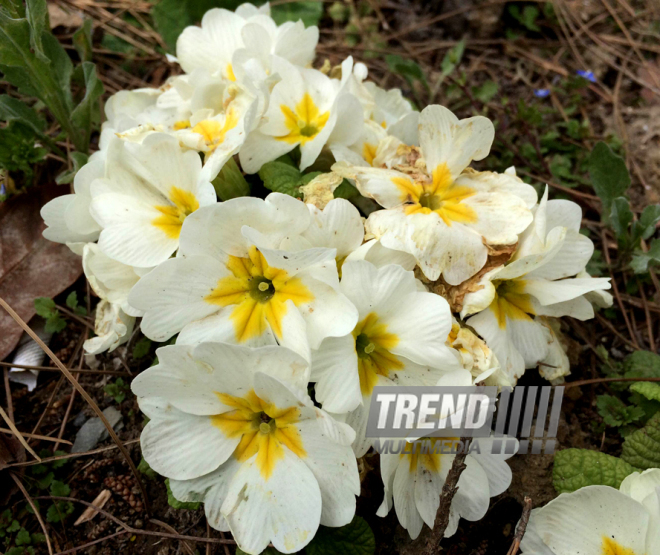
point(418, 415)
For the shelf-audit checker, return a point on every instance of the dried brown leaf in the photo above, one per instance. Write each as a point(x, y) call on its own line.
point(90, 512)
point(30, 266)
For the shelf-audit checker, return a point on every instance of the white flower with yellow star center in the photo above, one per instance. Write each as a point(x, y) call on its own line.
point(599, 520)
point(227, 39)
point(306, 109)
point(234, 427)
point(413, 483)
point(536, 282)
point(399, 339)
point(149, 189)
point(232, 282)
point(439, 210)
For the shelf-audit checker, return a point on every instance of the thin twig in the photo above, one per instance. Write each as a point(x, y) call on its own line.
point(605, 380)
point(36, 511)
point(522, 526)
point(52, 369)
point(85, 396)
point(36, 436)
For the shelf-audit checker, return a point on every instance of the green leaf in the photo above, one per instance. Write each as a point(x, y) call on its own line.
point(14, 526)
point(641, 260)
point(55, 323)
point(230, 182)
point(309, 12)
point(12, 109)
point(267, 551)
point(609, 175)
point(141, 348)
point(641, 364)
point(83, 114)
point(145, 469)
point(59, 511)
point(72, 300)
point(650, 390)
point(79, 159)
point(23, 537)
point(46, 481)
point(621, 217)
point(170, 18)
point(116, 390)
point(408, 69)
point(345, 190)
point(452, 58)
point(576, 468)
point(355, 538)
point(174, 502)
point(44, 307)
point(642, 448)
point(615, 412)
point(59, 489)
point(645, 226)
point(486, 92)
point(82, 41)
point(36, 12)
point(281, 178)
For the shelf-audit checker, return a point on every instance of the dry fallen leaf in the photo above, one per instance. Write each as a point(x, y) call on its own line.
point(58, 16)
point(30, 266)
point(90, 512)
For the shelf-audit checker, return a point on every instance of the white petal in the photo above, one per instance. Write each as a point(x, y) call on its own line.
point(334, 369)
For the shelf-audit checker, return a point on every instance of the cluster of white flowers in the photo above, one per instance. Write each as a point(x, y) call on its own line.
point(270, 295)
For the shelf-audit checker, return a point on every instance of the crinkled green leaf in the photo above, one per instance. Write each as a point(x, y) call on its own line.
point(576, 468)
point(59, 511)
point(642, 364)
point(615, 412)
point(641, 260)
point(145, 469)
point(59, 489)
point(281, 178)
point(355, 538)
point(345, 190)
point(609, 175)
point(141, 348)
point(23, 537)
point(174, 502)
point(44, 307)
point(650, 390)
point(642, 448)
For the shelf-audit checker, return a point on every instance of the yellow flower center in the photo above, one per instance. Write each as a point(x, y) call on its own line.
point(429, 453)
point(229, 71)
point(372, 345)
point(263, 428)
point(511, 301)
point(303, 123)
point(612, 547)
point(441, 196)
point(214, 132)
point(260, 293)
point(369, 153)
point(183, 204)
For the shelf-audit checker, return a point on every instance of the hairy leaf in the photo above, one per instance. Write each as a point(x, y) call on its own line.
point(642, 448)
point(650, 390)
point(281, 178)
point(576, 468)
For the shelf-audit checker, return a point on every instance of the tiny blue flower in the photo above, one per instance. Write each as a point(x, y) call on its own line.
point(588, 75)
point(542, 93)
point(3, 189)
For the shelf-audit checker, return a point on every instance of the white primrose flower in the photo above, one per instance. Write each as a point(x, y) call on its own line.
point(234, 427)
point(536, 282)
point(413, 483)
point(599, 520)
point(438, 209)
point(113, 327)
point(555, 366)
point(227, 39)
point(67, 217)
point(307, 109)
point(399, 339)
point(111, 281)
point(339, 226)
point(149, 189)
point(232, 282)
